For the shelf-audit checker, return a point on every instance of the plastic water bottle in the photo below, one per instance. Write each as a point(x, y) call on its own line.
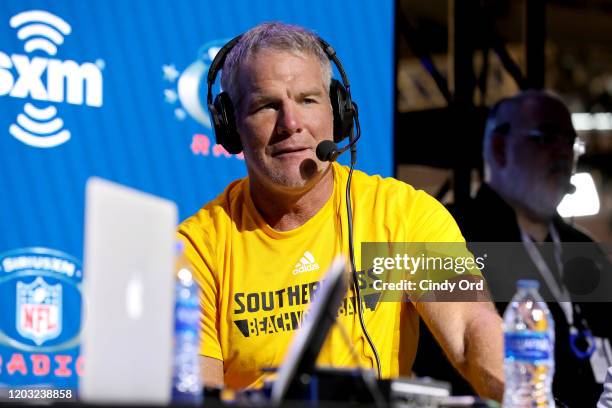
point(529, 343)
point(186, 381)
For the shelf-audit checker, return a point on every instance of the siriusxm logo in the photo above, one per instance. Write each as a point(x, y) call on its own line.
point(29, 81)
point(66, 80)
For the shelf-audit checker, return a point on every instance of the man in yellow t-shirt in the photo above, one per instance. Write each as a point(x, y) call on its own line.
point(260, 249)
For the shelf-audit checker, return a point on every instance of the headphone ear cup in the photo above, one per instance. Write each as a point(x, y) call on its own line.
point(343, 110)
point(225, 124)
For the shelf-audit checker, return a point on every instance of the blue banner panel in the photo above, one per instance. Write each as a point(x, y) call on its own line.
point(117, 89)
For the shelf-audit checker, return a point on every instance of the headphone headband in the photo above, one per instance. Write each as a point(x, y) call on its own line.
point(217, 64)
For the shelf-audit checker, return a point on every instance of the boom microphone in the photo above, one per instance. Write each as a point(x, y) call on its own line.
point(327, 151)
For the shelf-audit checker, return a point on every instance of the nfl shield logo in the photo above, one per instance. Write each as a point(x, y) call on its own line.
point(39, 310)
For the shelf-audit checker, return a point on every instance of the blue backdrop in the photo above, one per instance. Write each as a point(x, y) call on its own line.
point(115, 88)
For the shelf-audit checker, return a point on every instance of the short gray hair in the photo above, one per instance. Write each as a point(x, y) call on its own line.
point(275, 36)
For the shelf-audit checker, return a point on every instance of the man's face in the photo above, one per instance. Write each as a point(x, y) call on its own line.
point(283, 113)
point(539, 154)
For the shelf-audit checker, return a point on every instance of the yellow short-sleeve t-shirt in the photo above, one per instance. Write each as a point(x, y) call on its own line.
point(257, 282)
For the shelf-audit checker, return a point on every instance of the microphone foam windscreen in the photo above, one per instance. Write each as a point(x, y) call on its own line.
point(325, 149)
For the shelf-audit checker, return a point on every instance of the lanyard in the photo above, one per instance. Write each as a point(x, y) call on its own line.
point(558, 290)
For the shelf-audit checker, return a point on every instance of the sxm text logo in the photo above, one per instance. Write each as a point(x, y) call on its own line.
point(22, 77)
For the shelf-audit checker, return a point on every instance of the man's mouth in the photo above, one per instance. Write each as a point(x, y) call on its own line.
point(287, 151)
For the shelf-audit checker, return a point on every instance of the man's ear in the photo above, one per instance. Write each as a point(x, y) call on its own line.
point(498, 147)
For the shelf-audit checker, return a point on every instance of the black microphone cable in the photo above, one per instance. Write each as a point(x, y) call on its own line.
point(327, 150)
point(351, 247)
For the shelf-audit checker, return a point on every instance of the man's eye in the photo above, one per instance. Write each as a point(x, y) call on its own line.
point(265, 106)
point(310, 100)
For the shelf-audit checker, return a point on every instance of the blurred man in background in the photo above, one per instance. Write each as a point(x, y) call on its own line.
point(528, 156)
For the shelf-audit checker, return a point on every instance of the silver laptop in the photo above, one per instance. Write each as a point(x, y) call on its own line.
point(128, 295)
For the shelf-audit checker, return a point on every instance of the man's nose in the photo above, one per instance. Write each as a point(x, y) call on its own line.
point(289, 119)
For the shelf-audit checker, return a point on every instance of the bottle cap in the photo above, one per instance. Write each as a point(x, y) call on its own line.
point(527, 284)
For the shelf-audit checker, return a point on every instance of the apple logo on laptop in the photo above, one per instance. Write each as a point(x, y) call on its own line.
point(134, 302)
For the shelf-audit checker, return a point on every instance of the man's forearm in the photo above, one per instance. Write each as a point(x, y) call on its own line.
point(472, 338)
point(211, 370)
point(484, 348)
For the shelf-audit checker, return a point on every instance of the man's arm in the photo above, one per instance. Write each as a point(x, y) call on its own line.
point(212, 371)
point(471, 335)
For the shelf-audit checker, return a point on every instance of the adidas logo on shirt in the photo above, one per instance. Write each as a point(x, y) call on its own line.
point(307, 264)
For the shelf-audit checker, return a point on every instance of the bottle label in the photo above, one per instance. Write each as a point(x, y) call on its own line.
point(187, 318)
point(529, 347)
point(187, 311)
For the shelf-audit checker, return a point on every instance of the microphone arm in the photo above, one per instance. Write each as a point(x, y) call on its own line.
point(352, 145)
point(328, 150)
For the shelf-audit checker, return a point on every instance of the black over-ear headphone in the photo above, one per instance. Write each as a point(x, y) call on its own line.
point(222, 109)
